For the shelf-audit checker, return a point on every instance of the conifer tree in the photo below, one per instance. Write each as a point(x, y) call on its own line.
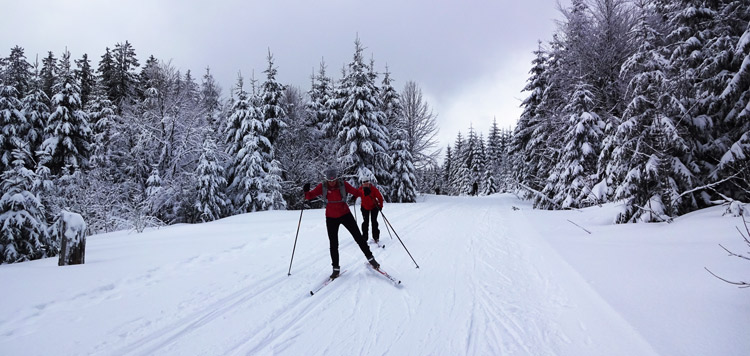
point(24, 234)
point(274, 121)
point(48, 74)
point(572, 180)
point(36, 111)
point(68, 133)
point(17, 71)
point(210, 98)
point(211, 200)
point(12, 126)
point(85, 77)
point(645, 164)
point(123, 79)
point(320, 94)
point(273, 114)
point(404, 180)
point(530, 123)
point(363, 141)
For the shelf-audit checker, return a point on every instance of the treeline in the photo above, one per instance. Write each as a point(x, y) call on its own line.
point(644, 102)
point(130, 146)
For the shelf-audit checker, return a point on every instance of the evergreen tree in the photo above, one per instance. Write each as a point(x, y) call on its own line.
point(24, 234)
point(85, 77)
point(404, 180)
point(36, 111)
point(17, 71)
point(49, 73)
point(320, 94)
point(447, 171)
point(123, 79)
point(211, 200)
point(210, 98)
point(735, 158)
point(646, 165)
point(571, 182)
point(12, 126)
point(68, 132)
point(393, 117)
point(273, 114)
point(103, 122)
point(363, 141)
point(531, 120)
point(106, 72)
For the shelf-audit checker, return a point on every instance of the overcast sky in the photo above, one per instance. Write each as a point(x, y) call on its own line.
point(470, 57)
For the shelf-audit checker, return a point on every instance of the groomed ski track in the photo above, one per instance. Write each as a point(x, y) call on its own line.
point(488, 284)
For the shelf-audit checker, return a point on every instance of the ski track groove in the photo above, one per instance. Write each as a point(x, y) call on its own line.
point(164, 336)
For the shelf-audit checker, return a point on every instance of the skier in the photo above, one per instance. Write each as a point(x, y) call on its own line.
point(372, 203)
point(337, 213)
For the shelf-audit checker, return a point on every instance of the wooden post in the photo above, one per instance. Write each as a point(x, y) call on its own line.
point(71, 230)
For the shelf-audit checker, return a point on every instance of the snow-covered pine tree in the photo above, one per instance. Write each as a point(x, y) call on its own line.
point(274, 121)
point(12, 125)
point(210, 100)
point(646, 165)
point(569, 184)
point(393, 118)
point(273, 114)
point(363, 141)
point(320, 93)
point(123, 81)
point(494, 151)
point(104, 122)
point(211, 201)
point(447, 170)
point(404, 180)
point(457, 169)
point(68, 141)
point(24, 234)
point(735, 160)
point(486, 179)
point(17, 71)
point(85, 77)
point(524, 154)
point(48, 74)
point(235, 132)
point(36, 111)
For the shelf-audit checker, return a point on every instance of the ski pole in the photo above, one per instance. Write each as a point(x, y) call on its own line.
point(295, 240)
point(399, 238)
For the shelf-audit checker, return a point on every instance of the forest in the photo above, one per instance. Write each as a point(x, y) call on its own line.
point(646, 102)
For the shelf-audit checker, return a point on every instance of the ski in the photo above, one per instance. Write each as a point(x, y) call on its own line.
point(378, 243)
point(325, 283)
point(396, 282)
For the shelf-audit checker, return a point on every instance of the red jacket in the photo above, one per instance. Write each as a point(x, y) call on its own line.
point(334, 210)
point(369, 201)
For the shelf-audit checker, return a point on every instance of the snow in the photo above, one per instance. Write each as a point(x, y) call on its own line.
point(74, 225)
point(496, 278)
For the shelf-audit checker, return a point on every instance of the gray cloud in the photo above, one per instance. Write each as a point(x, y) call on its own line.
point(456, 50)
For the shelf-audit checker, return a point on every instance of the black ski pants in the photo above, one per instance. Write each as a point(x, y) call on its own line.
point(332, 224)
point(366, 216)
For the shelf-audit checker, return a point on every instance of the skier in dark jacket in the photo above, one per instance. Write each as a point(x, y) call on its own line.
point(372, 203)
point(337, 213)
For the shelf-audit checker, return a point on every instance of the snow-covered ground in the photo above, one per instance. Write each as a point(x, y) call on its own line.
point(492, 281)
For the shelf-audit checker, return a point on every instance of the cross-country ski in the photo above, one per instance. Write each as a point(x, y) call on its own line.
point(325, 283)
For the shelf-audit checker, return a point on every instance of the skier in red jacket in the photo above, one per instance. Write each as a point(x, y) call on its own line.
point(372, 203)
point(333, 191)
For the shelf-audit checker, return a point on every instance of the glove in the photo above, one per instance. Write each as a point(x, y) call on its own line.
point(367, 190)
point(306, 187)
point(380, 208)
